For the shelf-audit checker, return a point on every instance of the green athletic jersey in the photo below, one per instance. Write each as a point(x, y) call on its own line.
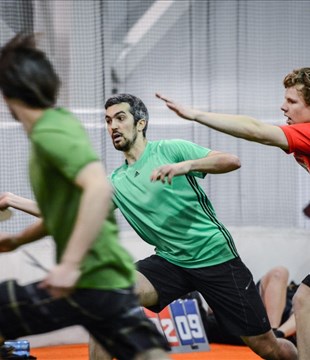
point(177, 219)
point(60, 149)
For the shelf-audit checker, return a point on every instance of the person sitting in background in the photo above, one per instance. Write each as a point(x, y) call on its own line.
point(194, 250)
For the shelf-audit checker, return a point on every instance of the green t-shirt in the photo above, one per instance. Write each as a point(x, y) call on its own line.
point(177, 219)
point(60, 149)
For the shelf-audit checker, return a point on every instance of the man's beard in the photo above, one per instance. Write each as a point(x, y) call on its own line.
point(127, 145)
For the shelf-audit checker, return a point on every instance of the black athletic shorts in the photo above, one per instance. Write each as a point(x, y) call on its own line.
point(228, 288)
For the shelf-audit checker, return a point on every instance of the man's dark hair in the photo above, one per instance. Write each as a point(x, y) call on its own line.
point(137, 107)
point(27, 74)
point(299, 77)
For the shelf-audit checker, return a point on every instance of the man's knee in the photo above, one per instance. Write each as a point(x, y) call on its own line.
point(263, 345)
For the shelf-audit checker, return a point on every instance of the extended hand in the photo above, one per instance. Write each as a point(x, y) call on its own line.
point(184, 112)
point(169, 171)
point(61, 280)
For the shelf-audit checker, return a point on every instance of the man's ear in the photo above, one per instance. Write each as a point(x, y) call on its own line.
point(141, 124)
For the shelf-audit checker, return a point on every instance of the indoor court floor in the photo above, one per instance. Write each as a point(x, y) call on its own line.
point(80, 352)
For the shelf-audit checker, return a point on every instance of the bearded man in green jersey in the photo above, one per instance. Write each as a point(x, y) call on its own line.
point(157, 192)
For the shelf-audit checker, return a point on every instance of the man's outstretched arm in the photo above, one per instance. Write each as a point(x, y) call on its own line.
point(241, 126)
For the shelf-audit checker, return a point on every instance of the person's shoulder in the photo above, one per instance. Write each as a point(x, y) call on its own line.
point(167, 145)
point(67, 116)
point(302, 126)
point(172, 142)
point(299, 130)
point(53, 117)
point(60, 121)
